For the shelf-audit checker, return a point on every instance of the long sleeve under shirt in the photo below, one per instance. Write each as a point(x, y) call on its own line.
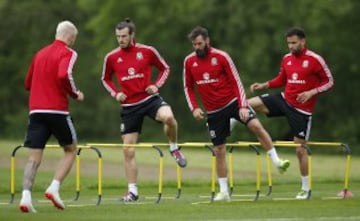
point(300, 73)
point(49, 79)
point(216, 79)
point(132, 67)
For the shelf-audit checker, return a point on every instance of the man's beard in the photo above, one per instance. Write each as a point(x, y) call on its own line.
point(201, 53)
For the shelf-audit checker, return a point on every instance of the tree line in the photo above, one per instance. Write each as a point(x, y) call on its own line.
point(252, 32)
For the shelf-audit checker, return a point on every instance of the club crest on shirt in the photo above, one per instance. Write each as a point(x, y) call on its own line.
point(214, 61)
point(305, 64)
point(206, 76)
point(131, 71)
point(295, 76)
point(139, 56)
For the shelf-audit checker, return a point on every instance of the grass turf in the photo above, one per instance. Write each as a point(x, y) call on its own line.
point(194, 203)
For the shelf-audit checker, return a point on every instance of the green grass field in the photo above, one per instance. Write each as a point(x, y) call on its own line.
point(194, 203)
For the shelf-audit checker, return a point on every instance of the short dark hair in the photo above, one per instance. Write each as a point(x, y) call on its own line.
point(198, 31)
point(127, 23)
point(298, 31)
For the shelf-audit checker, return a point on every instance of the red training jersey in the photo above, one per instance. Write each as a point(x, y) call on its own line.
point(303, 72)
point(132, 68)
point(49, 79)
point(216, 79)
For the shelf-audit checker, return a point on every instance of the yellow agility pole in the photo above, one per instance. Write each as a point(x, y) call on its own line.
point(231, 172)
point(268, 163)
point(161, 172)
point(347, 151)
point(213, 172)
point(12, 173)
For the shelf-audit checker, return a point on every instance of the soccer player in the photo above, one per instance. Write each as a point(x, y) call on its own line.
point(304, 74)
point(49, 81)
point(217, 81)
point(132, 63)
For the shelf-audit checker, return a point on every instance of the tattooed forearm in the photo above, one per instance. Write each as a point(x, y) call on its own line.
point(29, 174)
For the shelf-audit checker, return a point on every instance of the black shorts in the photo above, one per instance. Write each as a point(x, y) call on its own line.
point(219, 122)
point(132, 117)
point(299, 123)
point(42, 125)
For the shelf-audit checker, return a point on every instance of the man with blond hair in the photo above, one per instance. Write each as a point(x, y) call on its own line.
point(49, 81)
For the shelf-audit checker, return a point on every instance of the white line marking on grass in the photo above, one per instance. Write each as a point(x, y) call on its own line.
point(163, 197)
point(4, 203)
point(332, 198)
point(285, 198)
point(80, 205)
point(293, 219)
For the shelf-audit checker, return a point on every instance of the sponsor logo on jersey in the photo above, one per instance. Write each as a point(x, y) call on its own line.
point(132, 75)
point(207, 79)
point(294, 79)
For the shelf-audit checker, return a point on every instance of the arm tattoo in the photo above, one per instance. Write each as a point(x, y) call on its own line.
point(29, 174)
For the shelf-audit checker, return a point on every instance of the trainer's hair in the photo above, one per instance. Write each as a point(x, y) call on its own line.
point(198, 31)
point(127, 23)
point(65, 28)
point(298, 31)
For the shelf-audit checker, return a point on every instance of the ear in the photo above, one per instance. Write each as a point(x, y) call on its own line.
point(207, 40)
point(303, 41)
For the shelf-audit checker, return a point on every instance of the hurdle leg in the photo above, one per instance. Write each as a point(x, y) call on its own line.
point(258, 165)
point(307, 148)
point(77, 175)
point(12, 173)
point(347, 151)
point(231, 172)
point(161, 173)
point(268, 163)
point(213, 172)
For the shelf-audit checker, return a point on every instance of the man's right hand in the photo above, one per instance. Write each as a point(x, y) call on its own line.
point(80, 96)
point(198, 114)
point(120, 97)
point(258, 86)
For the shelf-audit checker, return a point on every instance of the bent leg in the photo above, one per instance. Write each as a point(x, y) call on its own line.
point(166, 116)
point(258, 105)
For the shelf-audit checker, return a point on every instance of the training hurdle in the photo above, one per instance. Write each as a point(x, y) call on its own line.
point(156, 146)
point(346, 149)
point(79, 148)
point(230, 163)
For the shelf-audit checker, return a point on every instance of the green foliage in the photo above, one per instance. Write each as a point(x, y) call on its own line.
point(252, 32)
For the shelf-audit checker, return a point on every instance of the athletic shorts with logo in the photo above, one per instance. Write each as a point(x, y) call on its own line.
point(132, 117)
point(300, 123)
point(219, 122)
